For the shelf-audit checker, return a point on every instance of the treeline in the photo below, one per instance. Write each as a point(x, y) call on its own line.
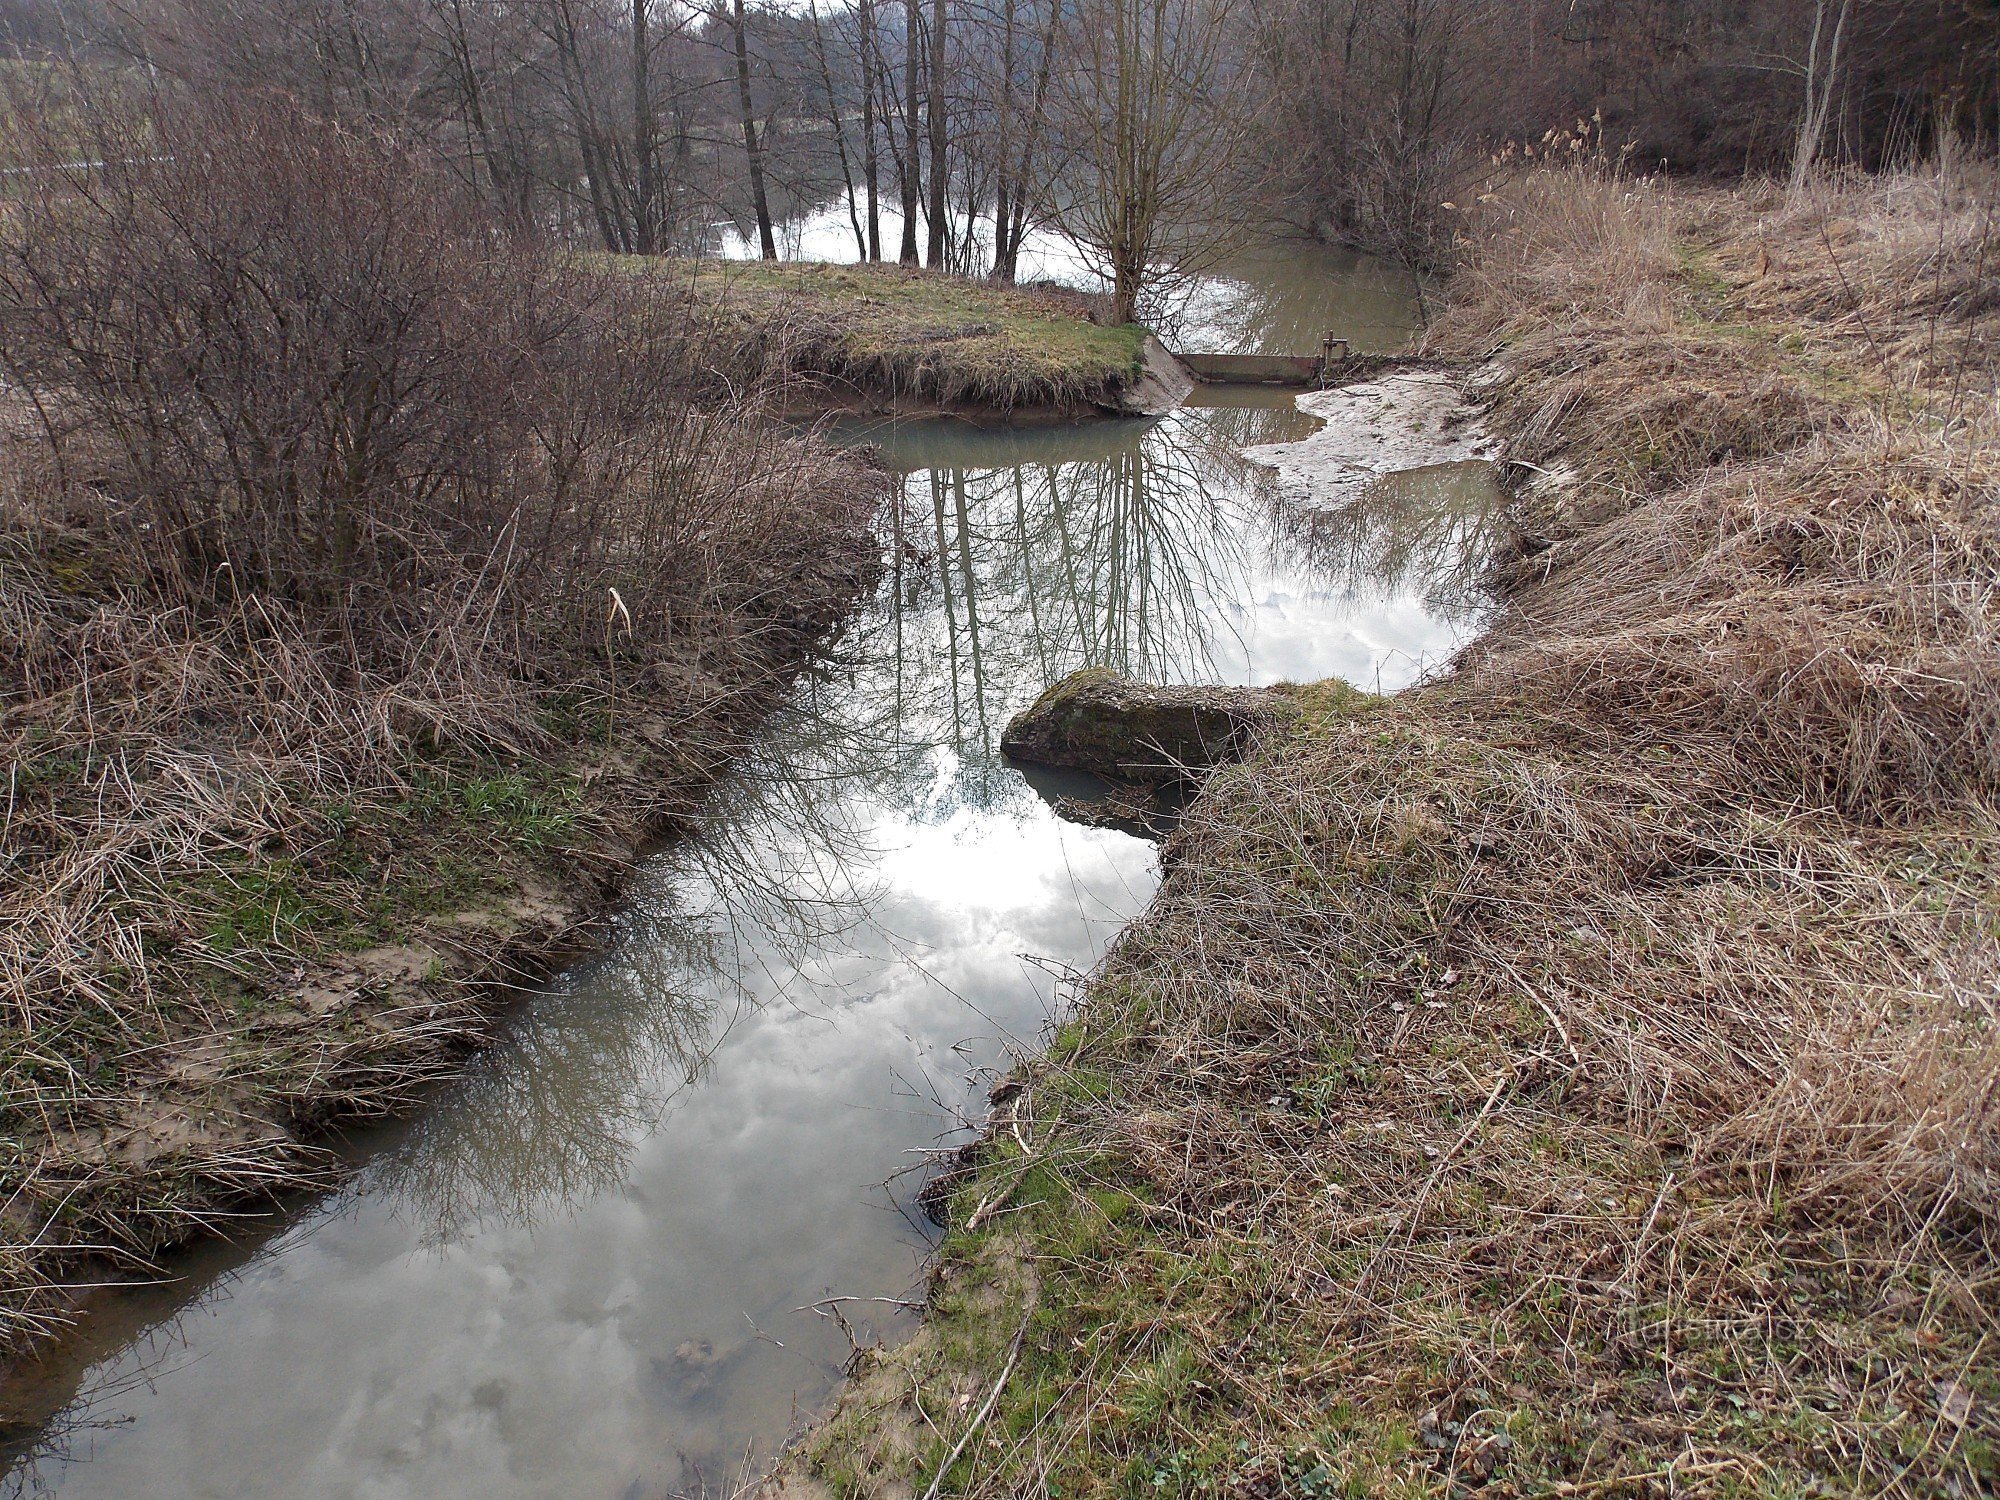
point(1401, 104)
point(1147, 131)
point(639, 124)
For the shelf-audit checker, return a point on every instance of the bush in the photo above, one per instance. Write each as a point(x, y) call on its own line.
point(304, 367)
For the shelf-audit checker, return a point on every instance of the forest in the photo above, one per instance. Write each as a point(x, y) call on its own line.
point(1147, 131)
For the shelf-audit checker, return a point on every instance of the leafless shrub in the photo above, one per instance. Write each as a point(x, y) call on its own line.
point(308, 364)
point(319, 489)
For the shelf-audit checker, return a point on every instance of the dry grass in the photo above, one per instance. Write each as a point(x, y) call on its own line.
point(247, 888)
point(1580, 1075)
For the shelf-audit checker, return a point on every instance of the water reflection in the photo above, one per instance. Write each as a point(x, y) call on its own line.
point(590, 1267)
point(1286, 299)
point(546, 1118)
point(1155, 549)
point(1430, 532)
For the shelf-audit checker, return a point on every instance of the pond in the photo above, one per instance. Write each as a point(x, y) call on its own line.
point(608, 1259)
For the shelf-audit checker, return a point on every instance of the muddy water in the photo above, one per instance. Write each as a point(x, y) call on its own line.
point(599, 1263)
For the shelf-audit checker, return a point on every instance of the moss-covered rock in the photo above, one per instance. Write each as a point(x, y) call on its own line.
point(1098, 721)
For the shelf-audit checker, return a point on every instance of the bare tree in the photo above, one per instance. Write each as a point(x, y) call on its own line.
point(910, 164)
point(1821, 69)
point(1020, 119)
point(936, 210)
point(836, 125)
point(869, 59)
point(1150, 143)
point(766, 243)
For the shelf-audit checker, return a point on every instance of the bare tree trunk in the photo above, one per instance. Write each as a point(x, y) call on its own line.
point(889, 109)
point(600, 178)
point(767, 243)
point(645, 207)
point(477, 140)
point(870, 168)
point(839, 129)
point(936, 212)
point(1004, 142)
point(1011, 229)
point(1822, 74)
point(907, 254)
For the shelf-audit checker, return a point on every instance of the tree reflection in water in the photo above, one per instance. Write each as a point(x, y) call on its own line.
point(1145, 547)
point(1012, 558)
point(547, 1116)
point(1429, 532)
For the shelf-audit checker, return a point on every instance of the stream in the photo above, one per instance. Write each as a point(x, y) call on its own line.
point(590, 1267)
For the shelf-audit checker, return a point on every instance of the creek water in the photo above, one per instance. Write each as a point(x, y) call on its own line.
point(590, 1266)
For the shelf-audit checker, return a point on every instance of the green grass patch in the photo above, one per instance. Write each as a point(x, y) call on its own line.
point(905, 332)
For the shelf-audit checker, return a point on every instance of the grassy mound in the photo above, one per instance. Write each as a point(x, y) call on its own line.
point(1577, 1075)
point(918, 335)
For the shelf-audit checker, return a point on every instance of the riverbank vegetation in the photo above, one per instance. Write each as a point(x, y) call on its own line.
point(895, 332)
point(1576, 1075)
point(371, 595)
point(1572, 1076)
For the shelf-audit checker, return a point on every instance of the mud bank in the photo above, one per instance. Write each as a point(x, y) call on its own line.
point(1404, 418)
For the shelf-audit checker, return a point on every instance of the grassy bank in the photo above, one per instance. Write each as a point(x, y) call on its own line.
point(371, 597)
point(902, 334)
point(248, 896)
point(1576, 1076)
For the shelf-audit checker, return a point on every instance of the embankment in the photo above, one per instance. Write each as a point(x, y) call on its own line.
point(889, 337)
point(250, 896)
point(1577, 1074)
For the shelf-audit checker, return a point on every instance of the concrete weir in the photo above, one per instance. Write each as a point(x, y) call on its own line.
point(1255, 369)
point(1267, 369)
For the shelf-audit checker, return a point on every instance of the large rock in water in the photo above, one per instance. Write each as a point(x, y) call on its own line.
point(1098, 721)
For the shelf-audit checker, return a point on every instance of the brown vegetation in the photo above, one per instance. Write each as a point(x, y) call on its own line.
point(1381, 116)
point(373, 588)
point(1578, 1075)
